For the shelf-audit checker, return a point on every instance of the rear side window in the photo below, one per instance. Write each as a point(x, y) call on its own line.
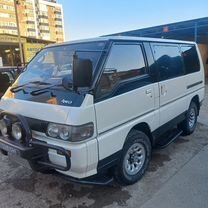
point(169, 61)
point(124, 62)
point(190, 58)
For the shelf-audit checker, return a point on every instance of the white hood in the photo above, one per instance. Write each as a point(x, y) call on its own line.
point(50, 112)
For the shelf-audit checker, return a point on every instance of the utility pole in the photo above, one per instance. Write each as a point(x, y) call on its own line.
point(16, 2)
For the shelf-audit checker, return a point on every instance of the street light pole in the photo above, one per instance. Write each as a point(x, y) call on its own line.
point(16, 2)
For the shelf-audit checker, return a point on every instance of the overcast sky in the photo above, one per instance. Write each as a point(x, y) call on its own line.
point(92, 18)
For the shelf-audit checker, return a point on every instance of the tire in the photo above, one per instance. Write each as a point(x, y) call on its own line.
point(188, 126)
point(139, 143)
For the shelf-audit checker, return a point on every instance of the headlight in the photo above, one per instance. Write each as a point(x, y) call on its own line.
point(3, 127)
point(53, 130)
point(65, 132)
point(17, 131)
point(70, 133)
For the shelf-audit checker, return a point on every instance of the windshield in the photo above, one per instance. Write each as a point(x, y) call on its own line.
point(52, 64)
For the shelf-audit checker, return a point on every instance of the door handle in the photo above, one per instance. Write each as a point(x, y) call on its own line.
point(164, 90)
point(149, 92)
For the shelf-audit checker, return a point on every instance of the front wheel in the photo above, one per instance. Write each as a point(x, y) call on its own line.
point(189, 124)
point(135, 158)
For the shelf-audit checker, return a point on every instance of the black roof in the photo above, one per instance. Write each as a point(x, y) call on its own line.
point(191, 30)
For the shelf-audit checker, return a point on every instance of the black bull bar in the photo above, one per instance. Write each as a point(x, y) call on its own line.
point(35, 151)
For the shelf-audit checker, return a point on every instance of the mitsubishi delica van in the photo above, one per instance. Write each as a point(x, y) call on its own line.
point(93, 110)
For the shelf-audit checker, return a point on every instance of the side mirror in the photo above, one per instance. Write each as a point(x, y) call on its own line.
point(82, 72)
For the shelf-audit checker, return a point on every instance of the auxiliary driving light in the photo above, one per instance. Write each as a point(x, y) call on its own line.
point(17, 131)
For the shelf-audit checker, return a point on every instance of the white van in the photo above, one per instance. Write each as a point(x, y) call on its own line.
point(93, 110)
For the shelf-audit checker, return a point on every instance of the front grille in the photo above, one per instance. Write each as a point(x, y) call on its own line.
point(37, 125)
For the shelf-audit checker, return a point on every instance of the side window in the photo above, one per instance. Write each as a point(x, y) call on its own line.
point(190, 58)
point(169, 61)
point(124, 62)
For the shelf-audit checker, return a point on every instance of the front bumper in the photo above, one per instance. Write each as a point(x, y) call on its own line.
point(36, 154)
point(44, 156)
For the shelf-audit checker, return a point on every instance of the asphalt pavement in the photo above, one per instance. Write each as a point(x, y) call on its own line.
point(186, 189)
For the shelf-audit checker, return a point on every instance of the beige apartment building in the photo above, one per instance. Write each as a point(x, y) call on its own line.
point(41, 23)
point(7, 17)
point(41, 19)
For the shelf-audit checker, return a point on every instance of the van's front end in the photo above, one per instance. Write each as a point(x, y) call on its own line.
point(47, 119)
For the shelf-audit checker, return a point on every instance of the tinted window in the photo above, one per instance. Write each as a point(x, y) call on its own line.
point(169, 61)
point(124, 62)
point(190, 59)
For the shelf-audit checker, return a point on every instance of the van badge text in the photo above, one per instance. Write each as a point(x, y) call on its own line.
point(68, 102)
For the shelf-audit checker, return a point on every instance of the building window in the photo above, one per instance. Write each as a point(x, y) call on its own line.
point(30, 22)
point(43, 16)
point(58, 19)
point(43, 24)
point(8, 27)
point(44, 31)
point(30, 30)
point(58, 12)
point(58, 26)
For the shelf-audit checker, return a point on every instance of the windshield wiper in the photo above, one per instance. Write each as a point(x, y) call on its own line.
point(45, 90)
point(20, 87)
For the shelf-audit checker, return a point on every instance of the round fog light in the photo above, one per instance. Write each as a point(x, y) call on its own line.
point(17, 131)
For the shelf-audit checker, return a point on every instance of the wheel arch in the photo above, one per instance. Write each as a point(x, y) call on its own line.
point(195, 99)
point(145, 128)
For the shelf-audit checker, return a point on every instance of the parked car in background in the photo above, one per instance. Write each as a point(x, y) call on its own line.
point(7, 77)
